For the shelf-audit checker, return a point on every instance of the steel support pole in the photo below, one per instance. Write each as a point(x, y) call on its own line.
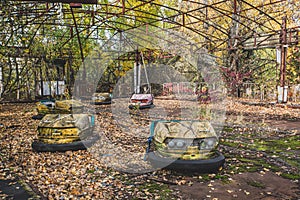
point(283, 44)
point(83, 78)
point(136, 73)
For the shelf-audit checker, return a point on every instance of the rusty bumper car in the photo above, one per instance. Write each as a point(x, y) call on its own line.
point(186, 146)
point(141, 101)
point(64, 132)
point(52, 106)
point(101, 98)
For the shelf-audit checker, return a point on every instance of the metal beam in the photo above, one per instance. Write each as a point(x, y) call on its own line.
point(66, 1)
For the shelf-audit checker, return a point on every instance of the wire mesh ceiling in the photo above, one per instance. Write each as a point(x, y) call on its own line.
point(215, 24)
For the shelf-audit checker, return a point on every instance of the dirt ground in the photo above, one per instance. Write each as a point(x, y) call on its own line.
point(259, 186)
point(261, 146)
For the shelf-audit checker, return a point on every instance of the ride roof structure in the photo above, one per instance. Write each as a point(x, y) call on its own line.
point(216, 25)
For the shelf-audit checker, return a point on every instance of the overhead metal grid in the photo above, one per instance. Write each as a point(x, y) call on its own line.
point(211, 20)
point(223, 27)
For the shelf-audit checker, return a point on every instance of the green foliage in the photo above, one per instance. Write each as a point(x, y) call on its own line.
point(293, 69)
point(256, 184)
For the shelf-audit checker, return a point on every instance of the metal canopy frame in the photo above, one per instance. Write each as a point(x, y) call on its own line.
point(220, 26)
point(210, 19)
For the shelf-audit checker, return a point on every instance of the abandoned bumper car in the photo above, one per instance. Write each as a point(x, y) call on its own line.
point(63, 132)
point(141, 101)
point(184, 146)
point(101, 98)
point(57, 106)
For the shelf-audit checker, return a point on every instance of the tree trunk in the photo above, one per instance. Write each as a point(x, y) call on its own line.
point(17, 78)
